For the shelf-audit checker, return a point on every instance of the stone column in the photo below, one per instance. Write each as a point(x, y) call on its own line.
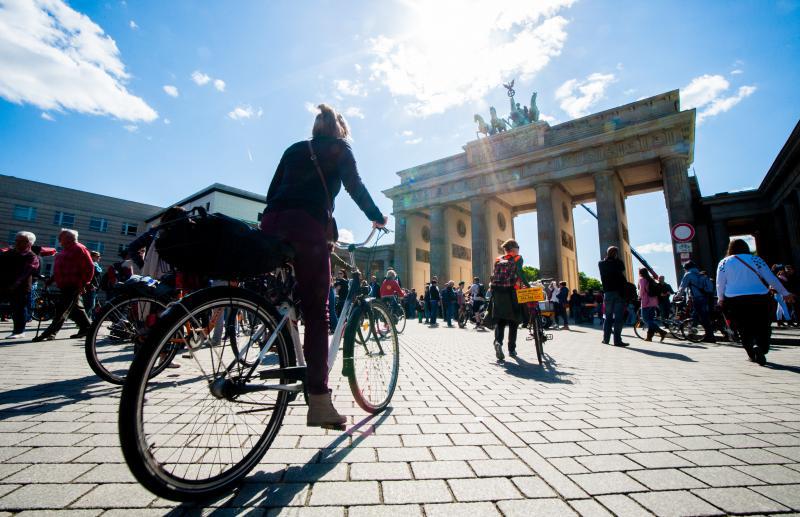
point(401, 251)
point(721, 239)
point(548, 240)
point(481, 256)
point(439, 253)
point(608, 220)
point(678, 197)
point(792, 217)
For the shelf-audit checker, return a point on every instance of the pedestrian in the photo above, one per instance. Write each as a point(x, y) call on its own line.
point(477, 296)
point(342, 286)
point(701, 291)
point(575, 301)
point(649, 293)
point(410, 302)
point(460, 303)
point(375, 287)
point(561, 293)
point(664, 299)
point(421, 308)
point(426, 297)
point(300, 203)
point(73, 270)
point(449, 303)
point(17, 267)
point(90, 295)
point(506, 277)
point(612, 276)
point(744, 282)
point(434, 297)
point(792, 284)
point(390, 291)
point(782, 316)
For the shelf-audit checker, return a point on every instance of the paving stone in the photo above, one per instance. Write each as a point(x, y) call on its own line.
point(607, 483)
point(533, 487)
point(441, 469)
point(404, 454)
point(793, 453)
point(665, 479)
point(450, 509)
point(458, 453)
point(589, 508)
point(408, 510)
point(708, 458)
point(755, 456)
point(48, 473)
point(483, 489)
point(787, 495)
point(675, 504)
point(492, 468)
point(738, 500)
point(607, 463)
point(51, 455)
point(417, 491)
point(116, 495)
point(623, 505)
point(721, 476)
point(607, 447)
point(43, 496)
point(538, 507)
point(344, 493)
point(772, 474)
point(659, 460)
point(379, 471)
point(568, 466)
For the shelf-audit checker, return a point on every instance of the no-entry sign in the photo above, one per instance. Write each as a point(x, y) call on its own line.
point(682, 232)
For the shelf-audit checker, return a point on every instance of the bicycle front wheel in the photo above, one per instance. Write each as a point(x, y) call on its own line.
point(196, 432)
point(692, 330)
point(400, 324)
point(119, 330)
point(640, 329)
point(372, 366)
point(537, 339)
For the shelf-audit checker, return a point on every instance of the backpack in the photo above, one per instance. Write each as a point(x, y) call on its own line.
point(505, 271)
point(654, 289)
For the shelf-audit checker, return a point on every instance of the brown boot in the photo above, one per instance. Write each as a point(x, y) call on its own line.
point(321, 412)
point(650, 333)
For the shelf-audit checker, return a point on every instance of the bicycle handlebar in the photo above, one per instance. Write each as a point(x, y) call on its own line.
point(346, 245)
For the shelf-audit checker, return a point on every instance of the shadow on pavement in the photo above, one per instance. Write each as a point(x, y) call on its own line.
point(49, 396)
point(547, 372)
point(265, 489)
point(665, 355)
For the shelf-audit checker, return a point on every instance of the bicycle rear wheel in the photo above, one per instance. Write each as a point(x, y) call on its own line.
point(640, 329)
point(372, 366)
point(691, 330)
point(197, 431)
point(117, 332)
point(537, 339)
point(400, 323)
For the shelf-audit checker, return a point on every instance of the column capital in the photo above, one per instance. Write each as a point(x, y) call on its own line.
point(604, 172)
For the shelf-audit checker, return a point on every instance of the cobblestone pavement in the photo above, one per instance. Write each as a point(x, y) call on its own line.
point(668, 429)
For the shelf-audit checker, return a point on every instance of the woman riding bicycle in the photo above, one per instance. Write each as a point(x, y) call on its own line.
point(299, 208)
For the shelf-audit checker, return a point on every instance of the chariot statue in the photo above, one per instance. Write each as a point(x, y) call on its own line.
point(517, 117)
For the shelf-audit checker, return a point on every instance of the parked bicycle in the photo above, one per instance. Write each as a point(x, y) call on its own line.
point(196, 432)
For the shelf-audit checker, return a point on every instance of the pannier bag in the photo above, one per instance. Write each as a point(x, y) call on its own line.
point(219, 247)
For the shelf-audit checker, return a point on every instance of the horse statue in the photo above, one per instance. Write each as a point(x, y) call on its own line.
point(483, 127)
point(499, 125)
point(534, 110)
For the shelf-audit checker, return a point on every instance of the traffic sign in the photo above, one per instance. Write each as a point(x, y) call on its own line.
point(682, 232)
point(685, 257)
point(683, 247)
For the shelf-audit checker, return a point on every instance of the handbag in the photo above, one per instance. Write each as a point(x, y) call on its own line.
point(748, 266)
point(331, 230)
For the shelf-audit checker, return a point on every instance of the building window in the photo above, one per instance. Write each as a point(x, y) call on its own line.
point(64, 220)
point(54, 243)
point(98, 224)
point(129, 229)
point(97, 246)
point(24, 213)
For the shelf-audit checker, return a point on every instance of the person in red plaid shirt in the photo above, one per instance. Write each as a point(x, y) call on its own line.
point(72, 272)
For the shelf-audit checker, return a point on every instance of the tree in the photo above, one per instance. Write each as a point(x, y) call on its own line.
point(530, 274)
point(586, 283)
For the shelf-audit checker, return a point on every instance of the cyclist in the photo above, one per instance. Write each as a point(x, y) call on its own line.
point(477, 294)
point(506, 310)
point(390, 291)
point(299, 210)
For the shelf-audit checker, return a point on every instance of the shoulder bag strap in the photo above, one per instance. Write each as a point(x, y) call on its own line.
point(321, 177)
point(748, 266)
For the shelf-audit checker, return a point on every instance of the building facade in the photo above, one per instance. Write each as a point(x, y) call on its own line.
point(104, 224)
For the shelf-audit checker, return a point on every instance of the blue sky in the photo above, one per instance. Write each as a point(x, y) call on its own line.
point(152, 101)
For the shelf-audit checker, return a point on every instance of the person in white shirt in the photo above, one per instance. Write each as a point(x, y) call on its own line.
point(744, 282)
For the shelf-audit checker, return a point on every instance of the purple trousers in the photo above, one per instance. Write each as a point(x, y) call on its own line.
point(312, 267)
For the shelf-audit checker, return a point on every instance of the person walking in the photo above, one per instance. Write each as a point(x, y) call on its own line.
point(448, 303)
point(90, 295)
point(612, 276)
point(561, 295)
point(575, 301)
point(507, 276)
point(342, 287)
point(375, 287)
point(18, 266)
point(744, 283)
point(73, 270)
point(434, 297)
point(701, 290)
point(477, 296)
point(420, 308)
point(664, 298)
point(649, 293)
point(300, 205)
point(460, 303)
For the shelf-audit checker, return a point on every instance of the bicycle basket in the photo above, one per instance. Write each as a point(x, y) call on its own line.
point(219, 247)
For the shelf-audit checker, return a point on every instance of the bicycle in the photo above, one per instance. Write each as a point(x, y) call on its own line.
point(197, 431)
point(671, 325)
point(536, 330)
point(398, 314)
point(44, 300)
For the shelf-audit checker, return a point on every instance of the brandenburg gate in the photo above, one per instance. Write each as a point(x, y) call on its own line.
point(453, 213)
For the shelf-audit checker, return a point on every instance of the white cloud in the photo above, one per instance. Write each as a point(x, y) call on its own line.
point(311, 107)
point(357, 67)
point(200, 78)
point(346, 235)
point(737, 71)
point(351, 88)
point(354, 112)
point(576, 97)
point(171, 90)
point(131, 128)
point(56, 58)
point(167, 121)
point(706, 93)
point(629, 91)
point(407, 132)
point(414, 141)
point(132, 25)
point(548, 118)
point(47, 116)
point(245, 112)
point(654, 247)
point(249, 154)
point(219, 84)
point(457, 51)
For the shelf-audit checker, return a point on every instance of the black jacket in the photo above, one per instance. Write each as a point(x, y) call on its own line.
point(612, 274)
point(296, 183)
